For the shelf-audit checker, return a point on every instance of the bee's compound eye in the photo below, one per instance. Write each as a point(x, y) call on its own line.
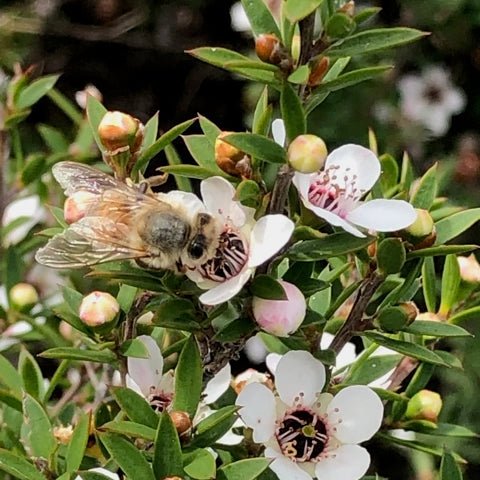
point(196, 250)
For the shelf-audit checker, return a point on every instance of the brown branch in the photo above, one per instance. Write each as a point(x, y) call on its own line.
point(355, 322)
point(280, 190)
point(406, 366)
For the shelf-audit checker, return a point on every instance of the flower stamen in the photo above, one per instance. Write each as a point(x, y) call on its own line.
point(159, 400)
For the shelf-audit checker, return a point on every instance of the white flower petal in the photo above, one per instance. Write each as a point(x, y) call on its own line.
point(383, 215)
point(189, 201)
point(454, 100)
point(334, 219)
point(18, 328)
point(360, 410)
point(226, 290)
point(230, 438)
point(258, 411)
point(268, 236)
point(239, 19)
point(218, 385)
point(217, 195)
point(285, 469)
point(278, 131)
point(299, 377)
point(147, 372)
point(348, 462)
point(255, 349)
point(302, 183)
point(272, 362)
point(103, 471)
point(167, 383)
point(355, 160)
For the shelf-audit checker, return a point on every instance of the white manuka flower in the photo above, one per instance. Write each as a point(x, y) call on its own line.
point(307, 433)
point(106, 473)
point(145, 376)
point(430, 99)
point(334, 193)
point(244, 243)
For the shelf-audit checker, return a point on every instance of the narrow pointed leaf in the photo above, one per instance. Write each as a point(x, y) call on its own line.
point(449, 469)
point(248, 469)
point(261, 20)
point(452, 226)
point(426, 190)
point(436, 329)
point(95, 112)
point(167, 457)
point(78, 443)
point(292, 113)
point(18, 466)
point(257, 146)
point(35, 91)
point(296, 10)
point(135, 406)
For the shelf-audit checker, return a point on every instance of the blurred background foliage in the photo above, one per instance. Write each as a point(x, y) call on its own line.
point(133, 52)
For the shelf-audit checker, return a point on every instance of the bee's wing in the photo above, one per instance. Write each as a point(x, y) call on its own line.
point(74, 177)
point(90, 241)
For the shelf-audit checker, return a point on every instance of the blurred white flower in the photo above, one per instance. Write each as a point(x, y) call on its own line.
point(255, 349)
point(430, 99)
point(307, 433)
point(82, 95)
point(26, 213)
point(239, 19)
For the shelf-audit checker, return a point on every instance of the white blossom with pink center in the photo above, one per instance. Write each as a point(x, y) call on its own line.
point(307, 433)
point(244, 243)
point(335, 193)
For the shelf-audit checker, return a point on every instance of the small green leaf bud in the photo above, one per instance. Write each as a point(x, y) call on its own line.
point(392, 319)
point(307, 153)
point(424, 405)
point(391, 255)
point(23, 296)
point(421, 233)
point(98, 308)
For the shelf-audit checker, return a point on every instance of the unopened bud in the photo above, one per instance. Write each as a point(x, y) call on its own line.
point(348, 8)
point(182, 422)
point(318, 69)
point(23, 296)
point(469, 268)
point(76, 206)
point(118, 130)
point(421, 233)
point(424, 405)
point(281, 317)
point(267, 47)
point(98, 308)
point(250, 376)
point(63, 434)
point(307, 153)
point(411, 310)
point(230, 159)
point(392, 319)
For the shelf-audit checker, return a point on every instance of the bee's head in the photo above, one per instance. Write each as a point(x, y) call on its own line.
point(205, 239)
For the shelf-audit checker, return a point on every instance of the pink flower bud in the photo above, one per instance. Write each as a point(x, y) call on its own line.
point(76, 206)
point(23, 295)
point(281, 317)
point(98, 308)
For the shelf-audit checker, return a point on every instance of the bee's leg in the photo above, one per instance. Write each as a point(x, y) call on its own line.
point(157, 180)
point(181, 268)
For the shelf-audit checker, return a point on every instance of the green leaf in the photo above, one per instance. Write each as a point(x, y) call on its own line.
point(32, 377)
point(72, 353)
point(126, 297)
point(450, 284)
point(264, 286)
point(261, 20)
point(160, 144)
point(296, 10)
point(134, 348)
point(406, 348)
point(468, 314)
point(391, 255)
point(248, 193)
point(89, 475)
point(292, 113)
point(73, 299)
point(11, 400)
point(135, 406)
point(456, 224)
point(436, 329)
point(40, 436)
point(167, 456)
point(35, 166)
point(372, 368)
point(150, 132)
point(235, 330)
point(443, 430)
point(35, 91)
point(449, 469)
point(248, 469)
point(343, 81)
point(300, 75)
point(373, 41)
point(130, 429)
point(365, 14)
point(18, 466)
point(95, 112)
point(210, 130)
point(190, 171)
point(10, 377)
point(209, 430)
point(188, 378)
point(429, 281)
point(202, 151)
point(329, 246)
point(127, 456)
point(173, 158)
point(78, 443)
point(389, 177)
point(339, 25)
point(54, 138)
point(426, 191)
point(257, 146)
point(262, 114)
point(200, 465)
point(441, 250)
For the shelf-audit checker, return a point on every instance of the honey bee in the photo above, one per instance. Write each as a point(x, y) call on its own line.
point(129, 221)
